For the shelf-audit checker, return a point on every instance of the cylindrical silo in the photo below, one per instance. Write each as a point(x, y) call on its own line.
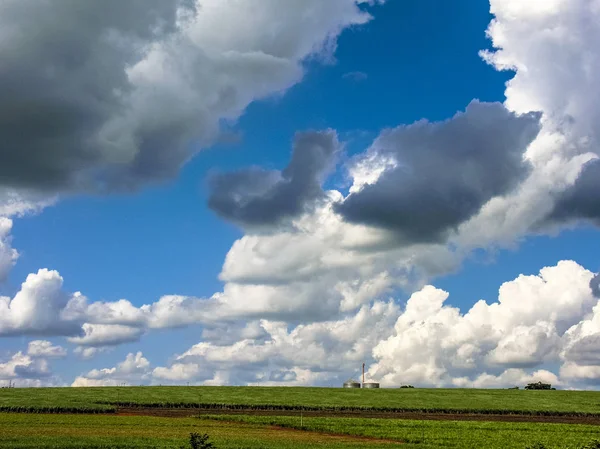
point(370, 385)
point(351, 384)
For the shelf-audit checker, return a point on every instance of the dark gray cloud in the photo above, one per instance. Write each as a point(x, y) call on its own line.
point(446, 171)
point(585, 351)
point(257, 197)
point(582, 200)
point(109, 95)
point(595, 285)
point(63, 79)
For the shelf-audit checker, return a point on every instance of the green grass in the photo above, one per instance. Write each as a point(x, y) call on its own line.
point(22, 431)
point(435, 434)
point(440, 400)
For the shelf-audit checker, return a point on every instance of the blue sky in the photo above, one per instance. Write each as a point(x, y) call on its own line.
point(410, 61)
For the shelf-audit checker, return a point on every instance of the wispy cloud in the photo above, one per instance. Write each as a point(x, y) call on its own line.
point(355, 76)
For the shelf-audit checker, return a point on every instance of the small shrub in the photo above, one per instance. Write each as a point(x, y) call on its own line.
point(407, 386)
point(198, 441)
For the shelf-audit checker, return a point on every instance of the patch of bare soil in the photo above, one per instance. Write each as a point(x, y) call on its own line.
point(325, 436)
point(186, 413)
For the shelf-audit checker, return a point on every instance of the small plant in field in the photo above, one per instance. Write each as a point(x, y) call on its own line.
point(198, 441)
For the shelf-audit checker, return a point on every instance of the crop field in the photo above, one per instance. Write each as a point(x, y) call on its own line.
point(435, 434)
point(20, 431)
point(248, 417)
point(284, 398)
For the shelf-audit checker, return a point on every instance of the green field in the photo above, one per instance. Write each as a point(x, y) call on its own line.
point(20, 431)
point(106, 430)
point(467, 400)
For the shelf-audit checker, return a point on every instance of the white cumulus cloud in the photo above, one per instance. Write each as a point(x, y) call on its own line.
point(532, 320)
point(283, 356)
point(98, 335)
point(25, 370)
point(44, 348)
point(37, 309)
point(135, 369)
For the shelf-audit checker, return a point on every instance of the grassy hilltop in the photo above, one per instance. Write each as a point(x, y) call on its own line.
point(465, 400)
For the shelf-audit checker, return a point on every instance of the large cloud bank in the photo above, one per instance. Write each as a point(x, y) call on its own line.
point(541, 327)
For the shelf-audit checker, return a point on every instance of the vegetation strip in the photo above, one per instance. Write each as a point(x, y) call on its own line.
point(57, 409)
point(436, 413)
point(348, 409)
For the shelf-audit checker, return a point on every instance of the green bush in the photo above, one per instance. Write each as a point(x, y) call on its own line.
point(198, 441)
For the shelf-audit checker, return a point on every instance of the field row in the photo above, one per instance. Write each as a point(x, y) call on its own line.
point(347, 409)
point(61, 409)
